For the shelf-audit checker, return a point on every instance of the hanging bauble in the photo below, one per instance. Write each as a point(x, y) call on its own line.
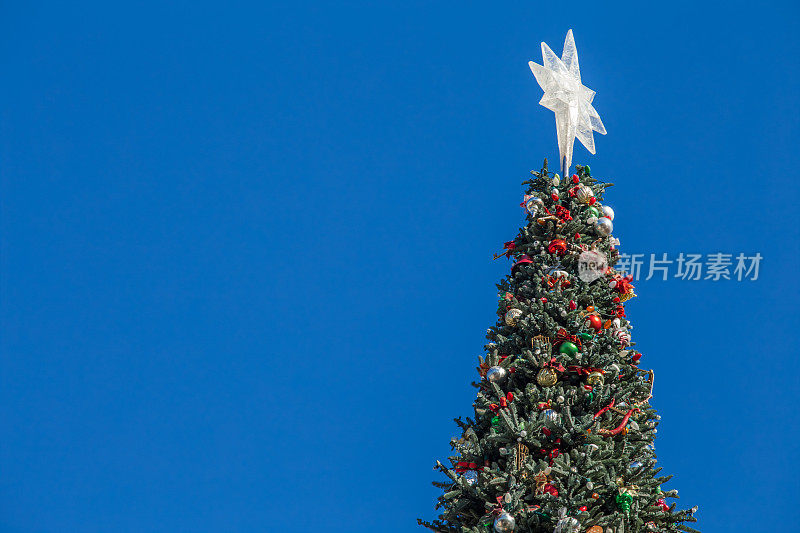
point(583, 194)
point(547, 377)
point(496, 374)
point(523, 260)
point(568, 348)
point(557, 246)
point(550, 414)
point(470, 476)
point(504, 523)
point(593, 212)
point(603, 226)
point(595, 379)
point(534, 205)
point(624, 501)
point(608, 212)
point(622, 335)
point(594, 322)
point(512, 316)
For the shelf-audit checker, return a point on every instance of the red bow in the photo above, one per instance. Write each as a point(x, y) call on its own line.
point(563, 213)
point(509, 246)
point(463, 466)
point(563, 336)
point(503, 402)
point(623, 285)
point(554, 364)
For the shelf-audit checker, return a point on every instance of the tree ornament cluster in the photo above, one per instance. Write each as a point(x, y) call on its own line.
point(561, 440)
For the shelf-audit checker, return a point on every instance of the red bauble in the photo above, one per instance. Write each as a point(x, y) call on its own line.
point(557, 246)
point(575, 178)
point(573, 305)
point(583, 508)
point(594, 322)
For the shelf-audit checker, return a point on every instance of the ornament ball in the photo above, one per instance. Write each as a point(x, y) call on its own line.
point(568, 348)
point(595, 322)
point(608, 212)
point(547, 377)
point(603, 226)
point(496, 374)
point(471, 477)
point(504, 523)
point(534, 205)
point(512, 316)
point(595, 529)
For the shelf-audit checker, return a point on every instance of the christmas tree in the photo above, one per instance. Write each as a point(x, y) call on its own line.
point(562, 436)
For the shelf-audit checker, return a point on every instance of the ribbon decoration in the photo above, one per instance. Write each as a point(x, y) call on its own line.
point(553, 452)
point(503, 402)
point(563, 213)
point(554, 364)
point(662, 504)
point(509, 248)
point(606, 408)
point(563, 336)
point(551, 281)
point(620, 427)
point(581, 370)
point(463, 466)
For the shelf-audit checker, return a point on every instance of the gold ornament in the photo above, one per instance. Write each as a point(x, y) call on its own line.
point(519, 460)
point(547, 377)
point(541, 480)
point(595, 379)
point(627, 296)
point(584, 194)
point(542, 343)
point(595, 529)
point(512, 316)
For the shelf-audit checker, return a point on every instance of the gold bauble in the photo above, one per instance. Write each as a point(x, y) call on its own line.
point(595, 529)
point(547, 377)
point(595, 379)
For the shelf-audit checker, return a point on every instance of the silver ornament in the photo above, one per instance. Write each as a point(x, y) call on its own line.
point(505, 523)
point(635, 464)
point(470, 476)
point(604, 226)
point(567, 524)
point(534, 205)
point(550, 414)
point(496, 374)
point(608, 212)
point(512, 316)
point(584, 194)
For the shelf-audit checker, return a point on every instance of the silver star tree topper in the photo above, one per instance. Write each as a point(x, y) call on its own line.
point(568, 98)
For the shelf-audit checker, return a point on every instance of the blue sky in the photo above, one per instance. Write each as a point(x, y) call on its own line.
point(245, 249)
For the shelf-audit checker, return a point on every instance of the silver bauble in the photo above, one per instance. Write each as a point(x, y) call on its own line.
point(603, 226)
point(470, 476)
point(584, 194)
point(512, 316)
point(608, 212)
point(504, 523)
point(550, 414)
point(496, 374)
point(534, 205)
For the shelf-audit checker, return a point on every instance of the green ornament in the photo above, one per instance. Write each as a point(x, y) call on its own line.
point(593, 211)
point(587, 170)
point(585, 336)
point(568, 348)
point(495, 421)
point(624, 501)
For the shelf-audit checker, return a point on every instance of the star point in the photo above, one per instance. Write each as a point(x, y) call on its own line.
point(568, 98)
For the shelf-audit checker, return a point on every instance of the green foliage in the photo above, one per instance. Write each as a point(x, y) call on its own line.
point(586, 442)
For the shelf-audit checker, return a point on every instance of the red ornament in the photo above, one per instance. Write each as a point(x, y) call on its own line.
point(595, 496)
point(663, 505)
point(592, 200)
point(573, 305)
point(554, 196)
point(557, 246)
point(583, 508)
point(594, 322)
point(550, 489)
point(575, 178)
